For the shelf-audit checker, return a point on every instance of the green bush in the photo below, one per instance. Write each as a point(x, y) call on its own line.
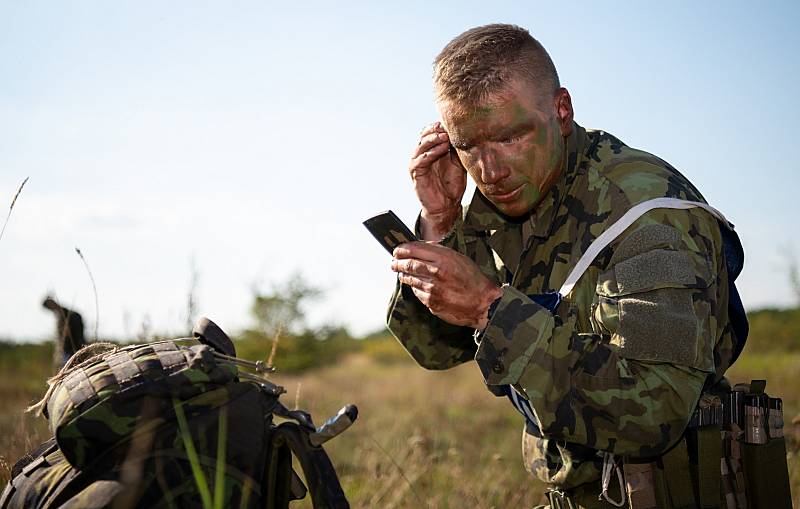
point(774, 330)
point(298, 352)
point(385, 349)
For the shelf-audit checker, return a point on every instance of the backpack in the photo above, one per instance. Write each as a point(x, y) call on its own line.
point(176, 423)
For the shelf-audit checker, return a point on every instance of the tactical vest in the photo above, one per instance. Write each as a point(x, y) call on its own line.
point(732, 454)
point(180, 423)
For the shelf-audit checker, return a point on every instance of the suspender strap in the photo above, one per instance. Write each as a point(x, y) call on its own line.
point(627, 219)
point(676, 473)
point(709, 455)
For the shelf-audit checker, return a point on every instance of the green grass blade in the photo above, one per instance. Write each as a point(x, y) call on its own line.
point(194, 461)
point(219, 474)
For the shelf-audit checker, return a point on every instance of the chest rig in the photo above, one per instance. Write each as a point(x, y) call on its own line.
point(732, 454)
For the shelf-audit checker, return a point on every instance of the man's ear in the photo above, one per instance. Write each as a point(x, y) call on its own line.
point(564, 113)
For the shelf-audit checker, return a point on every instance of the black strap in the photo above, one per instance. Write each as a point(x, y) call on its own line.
point(323, 483)
point(41, 451)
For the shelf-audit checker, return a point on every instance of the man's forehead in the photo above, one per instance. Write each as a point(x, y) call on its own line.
point(518, 98)
point(494, 113)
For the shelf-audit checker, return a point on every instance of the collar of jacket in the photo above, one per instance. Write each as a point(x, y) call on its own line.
point(482, 218)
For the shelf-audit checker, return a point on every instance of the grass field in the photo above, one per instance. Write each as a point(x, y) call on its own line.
point(423, 439)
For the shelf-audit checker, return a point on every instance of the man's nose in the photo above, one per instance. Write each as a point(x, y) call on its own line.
point(491, 171)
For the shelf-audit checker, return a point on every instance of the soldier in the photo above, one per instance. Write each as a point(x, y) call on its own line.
point(585, 277)
point(69, 332)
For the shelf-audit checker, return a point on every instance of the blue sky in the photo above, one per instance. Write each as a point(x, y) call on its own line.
point(254, 137)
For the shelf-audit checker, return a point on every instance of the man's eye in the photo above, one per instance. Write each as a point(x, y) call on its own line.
point(510, 140)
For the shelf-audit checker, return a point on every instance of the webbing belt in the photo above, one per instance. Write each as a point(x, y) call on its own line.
point(79, 387)
point(123, 366)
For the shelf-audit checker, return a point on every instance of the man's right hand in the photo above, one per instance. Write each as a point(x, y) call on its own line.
point(439, 181)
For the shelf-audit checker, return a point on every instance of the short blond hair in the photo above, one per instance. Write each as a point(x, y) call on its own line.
point(484, 60)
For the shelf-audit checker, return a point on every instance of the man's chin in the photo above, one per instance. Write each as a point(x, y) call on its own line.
point(513, 210)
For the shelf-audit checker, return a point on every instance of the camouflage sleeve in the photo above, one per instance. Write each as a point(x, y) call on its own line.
point(630, 385)
point(432, 342)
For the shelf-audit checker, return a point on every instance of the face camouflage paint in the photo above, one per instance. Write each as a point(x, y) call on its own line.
point(510, 144)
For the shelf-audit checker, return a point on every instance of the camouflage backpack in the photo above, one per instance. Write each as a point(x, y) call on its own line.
point(173, 424)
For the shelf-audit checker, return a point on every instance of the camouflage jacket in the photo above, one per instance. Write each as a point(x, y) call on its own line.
point(620, 365)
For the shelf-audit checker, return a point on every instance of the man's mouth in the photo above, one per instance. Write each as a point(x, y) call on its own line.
point(504, 197)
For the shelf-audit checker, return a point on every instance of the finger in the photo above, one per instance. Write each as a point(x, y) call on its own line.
point(421, 163)
point(452, 319)
point(415, 267)
point(431, 128)
point(429, 141)
point(423, 296)
point(419, 250)
point(454, 157)
point(416, 282)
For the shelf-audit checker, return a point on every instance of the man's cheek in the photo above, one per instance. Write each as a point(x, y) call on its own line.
point(526, 164)
point(472, 170)
point(530, 195)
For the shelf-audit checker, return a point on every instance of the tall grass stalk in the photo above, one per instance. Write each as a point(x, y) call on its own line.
point(94, 289)
point(191, 295)
point(399, 470)
point(274, 349)
point(14, 201)
point(297, 396)
point(194, 460)
point(219, 473)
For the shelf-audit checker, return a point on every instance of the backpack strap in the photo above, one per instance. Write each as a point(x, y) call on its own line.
point(42, 478)
point(732, 251)
point(24, 466)
point(323, 483)
point(627, 219)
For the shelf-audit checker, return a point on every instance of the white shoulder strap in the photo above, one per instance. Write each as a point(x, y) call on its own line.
point(616, 229)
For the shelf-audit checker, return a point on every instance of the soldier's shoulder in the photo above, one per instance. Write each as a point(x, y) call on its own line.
point(635, 174)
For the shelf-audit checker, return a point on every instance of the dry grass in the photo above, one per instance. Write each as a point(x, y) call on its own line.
point(11, 207)
point(423, 439)
point(94, 290)
point(23, 375)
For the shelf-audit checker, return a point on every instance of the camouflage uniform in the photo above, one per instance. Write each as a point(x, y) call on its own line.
point(620, 365)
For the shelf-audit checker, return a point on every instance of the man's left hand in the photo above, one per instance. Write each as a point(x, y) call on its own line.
point(447, 282)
